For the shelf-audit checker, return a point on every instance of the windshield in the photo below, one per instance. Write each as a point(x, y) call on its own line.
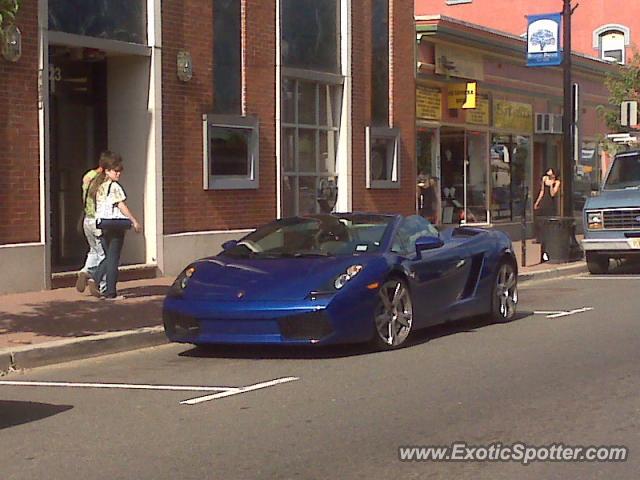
point(624, 173)
point(315, 236)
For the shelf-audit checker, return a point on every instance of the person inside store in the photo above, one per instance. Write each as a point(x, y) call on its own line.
point(429, 204)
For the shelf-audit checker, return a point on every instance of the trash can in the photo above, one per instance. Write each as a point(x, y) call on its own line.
point(558, 238)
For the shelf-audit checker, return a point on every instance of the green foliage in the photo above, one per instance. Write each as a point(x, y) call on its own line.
point(623, 85)
point(8, 11)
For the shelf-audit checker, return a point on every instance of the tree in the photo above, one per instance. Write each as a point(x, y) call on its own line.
point(8, 11)
point(623, 85)
point(543, 38)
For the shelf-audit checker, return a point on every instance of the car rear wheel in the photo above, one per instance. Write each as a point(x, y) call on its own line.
point(505, 293)
point(597, 264)
point(393, 314)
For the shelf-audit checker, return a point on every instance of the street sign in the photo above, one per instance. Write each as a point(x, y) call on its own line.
point(629, 114)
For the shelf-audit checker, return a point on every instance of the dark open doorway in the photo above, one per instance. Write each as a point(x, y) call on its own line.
point(78, 133)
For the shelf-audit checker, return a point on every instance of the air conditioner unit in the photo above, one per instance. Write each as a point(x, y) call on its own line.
point(548, 123)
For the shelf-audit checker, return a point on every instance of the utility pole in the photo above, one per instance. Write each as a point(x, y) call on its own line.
point(567, 114)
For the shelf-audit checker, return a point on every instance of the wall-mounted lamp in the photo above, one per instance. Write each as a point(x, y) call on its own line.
point(185, 66)
point(11, 43)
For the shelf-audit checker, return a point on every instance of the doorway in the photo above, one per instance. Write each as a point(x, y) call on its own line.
point(463, 155)
point(78, 133)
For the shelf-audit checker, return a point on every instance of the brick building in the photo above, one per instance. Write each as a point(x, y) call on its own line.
point(228, 113)
point(515, 131)
point(603, 29)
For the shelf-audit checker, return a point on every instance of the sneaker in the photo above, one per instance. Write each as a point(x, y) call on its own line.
point(93, 288)
point(81, 282)
point(545, 257)
point(116, 298)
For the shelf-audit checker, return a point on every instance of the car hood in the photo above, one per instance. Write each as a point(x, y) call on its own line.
point(227, 279)
point(614, 199)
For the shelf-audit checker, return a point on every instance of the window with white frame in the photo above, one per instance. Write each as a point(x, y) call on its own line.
point(309, 143)
point(230, 152)
point(380, 62)
point(383, 145)
point(612, 46)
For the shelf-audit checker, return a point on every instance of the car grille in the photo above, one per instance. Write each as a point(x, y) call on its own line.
point(306, 326)
point(178, 325)
point(622, 219)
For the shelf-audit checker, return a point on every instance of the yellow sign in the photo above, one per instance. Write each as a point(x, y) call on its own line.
point(513, 115)
point(462, 95)
point(480, 114)
point(428, 103)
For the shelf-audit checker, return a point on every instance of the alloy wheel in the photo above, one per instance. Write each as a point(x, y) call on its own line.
point(394, 314)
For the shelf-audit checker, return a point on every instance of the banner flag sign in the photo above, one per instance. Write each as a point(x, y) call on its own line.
point(543, 40)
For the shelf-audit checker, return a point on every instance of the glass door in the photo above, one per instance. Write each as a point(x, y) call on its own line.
point(452, 160)
point(428, 200)
point(475, 179)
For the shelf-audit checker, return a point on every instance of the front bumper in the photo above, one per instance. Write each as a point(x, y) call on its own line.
point(631, 245)
point(303, 322)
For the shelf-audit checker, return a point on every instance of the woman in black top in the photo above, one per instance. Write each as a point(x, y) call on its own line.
point(547, 204)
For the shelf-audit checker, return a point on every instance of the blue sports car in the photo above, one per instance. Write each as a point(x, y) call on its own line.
point(342, 278)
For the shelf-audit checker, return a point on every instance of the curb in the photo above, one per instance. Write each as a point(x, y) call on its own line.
point(551, 273)
point(60, 351)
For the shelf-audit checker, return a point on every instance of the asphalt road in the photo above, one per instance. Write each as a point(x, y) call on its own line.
point(544, 378)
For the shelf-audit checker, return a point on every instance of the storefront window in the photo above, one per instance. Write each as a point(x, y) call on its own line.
point(310, 36)
point(510, 168)
point(124, 20)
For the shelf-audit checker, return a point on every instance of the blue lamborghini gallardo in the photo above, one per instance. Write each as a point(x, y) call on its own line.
point(342, 278)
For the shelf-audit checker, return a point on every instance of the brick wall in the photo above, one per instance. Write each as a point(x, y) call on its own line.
point(188, 25)
point(402, 108)
point(19, 145)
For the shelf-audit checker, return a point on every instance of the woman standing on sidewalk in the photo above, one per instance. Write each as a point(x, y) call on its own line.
point(547, 205)
point(110, 203)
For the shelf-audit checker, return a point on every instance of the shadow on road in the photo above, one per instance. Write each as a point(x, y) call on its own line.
point(271, 352)
point(13, 413)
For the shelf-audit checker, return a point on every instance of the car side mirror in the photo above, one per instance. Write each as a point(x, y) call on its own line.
point(427, 243)
point(229, 244)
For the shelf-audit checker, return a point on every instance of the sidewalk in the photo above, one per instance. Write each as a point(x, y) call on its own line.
point(52, 326)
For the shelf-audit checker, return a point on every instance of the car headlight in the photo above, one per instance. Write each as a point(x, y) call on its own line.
point(343, 278)
point(181, 282)
point(594, 220)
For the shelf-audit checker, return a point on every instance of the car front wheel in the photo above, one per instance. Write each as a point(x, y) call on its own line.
point(597, 264)
point(393, 314)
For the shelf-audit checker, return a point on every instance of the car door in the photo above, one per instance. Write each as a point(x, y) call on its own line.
point(437, 277)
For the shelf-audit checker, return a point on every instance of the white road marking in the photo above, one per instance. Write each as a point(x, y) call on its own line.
point(124, 386)
point(222, 391)
point(239, 390)
point(562, 313)
point(609, 277)
point(571, 312)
